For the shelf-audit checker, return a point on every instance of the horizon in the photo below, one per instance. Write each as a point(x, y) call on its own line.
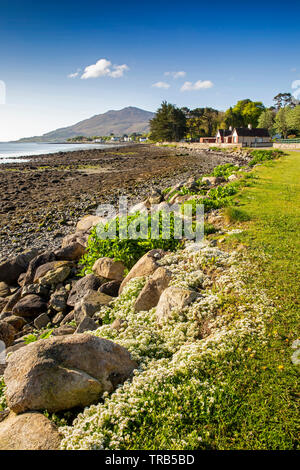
point(61, 65)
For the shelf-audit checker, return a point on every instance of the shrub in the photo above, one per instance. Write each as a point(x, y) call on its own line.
point(264, 155)
point(127, 250)
point(224, 170)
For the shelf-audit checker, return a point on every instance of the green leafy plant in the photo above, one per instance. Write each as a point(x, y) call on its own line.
point(2, 396)
point(127, 250)
point(224, 170)
point(264, 155)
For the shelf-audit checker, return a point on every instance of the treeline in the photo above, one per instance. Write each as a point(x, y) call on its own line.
point(173, 124)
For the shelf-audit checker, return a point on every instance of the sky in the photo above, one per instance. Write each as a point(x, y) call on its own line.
point(64, 61)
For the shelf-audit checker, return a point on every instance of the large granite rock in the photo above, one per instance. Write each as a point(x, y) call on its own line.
point(72, 252)
point(173, 298)
point(30, 306)
point(63, 372)
point(11, 269)
point(35, 263)
point(109, 269)
point(28, 431)
point(144, 267)
point(53, 273)
point(152, 290)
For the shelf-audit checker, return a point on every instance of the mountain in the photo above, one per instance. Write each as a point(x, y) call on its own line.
point(124, 121)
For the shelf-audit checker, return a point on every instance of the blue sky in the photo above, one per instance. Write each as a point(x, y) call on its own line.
point(227, 51)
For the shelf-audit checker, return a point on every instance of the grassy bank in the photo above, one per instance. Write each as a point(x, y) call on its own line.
point(219, 374)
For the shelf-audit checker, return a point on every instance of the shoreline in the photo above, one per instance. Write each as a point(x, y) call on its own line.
point(43, 198)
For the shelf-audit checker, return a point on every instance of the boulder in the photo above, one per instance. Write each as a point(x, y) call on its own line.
point(52, 273)
point(109, 269)
point(152, 290)
point(4, 289)
point(41, 321)
point(86, 283)
point(30, 306)
point(28, 431)
point(87, 324)
point(232, 177)
point(72, 252)
point(7, 334)
point(11, 269)
point(88, 222)
point(90, 303)
point(173, 298)
point(144, 267)
point(35, 263)
point(110, 288)
point(64, 372)
point(78, 237)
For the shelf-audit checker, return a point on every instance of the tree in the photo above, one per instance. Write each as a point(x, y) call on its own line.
point(266, 120)
point(281, 122)
point(169, 123)
point(201, 121)
point(293, 119)
point(284, 99)
point(243, 113)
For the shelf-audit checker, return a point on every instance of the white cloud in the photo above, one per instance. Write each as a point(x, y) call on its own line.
point(74, 75)
point(199, 85)
point(161, 85)
point(175, 75)
point(102, 68)
point(119, 70)
point(296, 84)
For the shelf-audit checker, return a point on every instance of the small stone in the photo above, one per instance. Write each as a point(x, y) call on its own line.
point(41, 321)
point(63, 330)
point(57, 318)
point(4, 289)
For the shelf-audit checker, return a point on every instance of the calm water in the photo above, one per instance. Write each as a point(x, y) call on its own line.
point(14, 152)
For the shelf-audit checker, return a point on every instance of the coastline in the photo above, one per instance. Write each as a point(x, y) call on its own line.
point(43, 198)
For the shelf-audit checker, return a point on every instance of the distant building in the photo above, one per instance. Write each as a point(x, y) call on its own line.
point(247, 136)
